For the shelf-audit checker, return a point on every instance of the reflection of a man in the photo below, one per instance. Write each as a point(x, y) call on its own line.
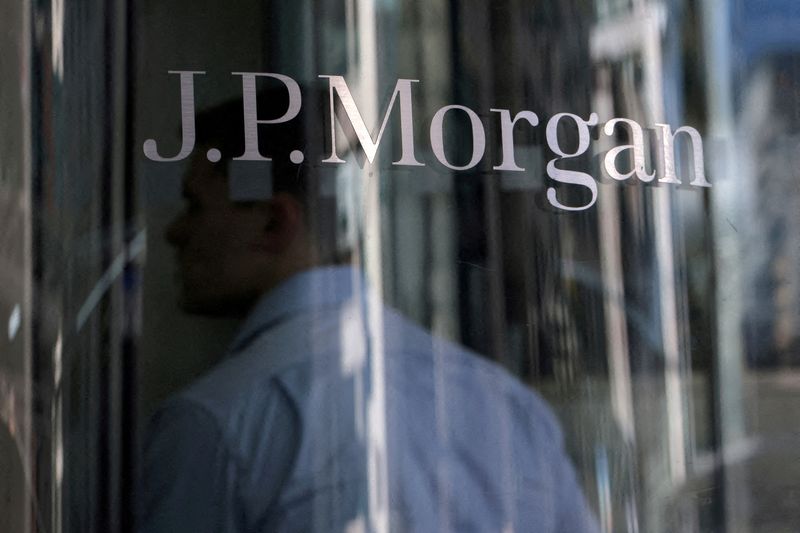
point(279, 436)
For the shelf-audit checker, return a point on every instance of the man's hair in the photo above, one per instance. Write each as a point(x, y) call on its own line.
point(222, 127)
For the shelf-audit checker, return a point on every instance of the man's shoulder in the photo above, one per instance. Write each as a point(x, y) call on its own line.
point(318, 350)
point(241, 383)
point(423, 361)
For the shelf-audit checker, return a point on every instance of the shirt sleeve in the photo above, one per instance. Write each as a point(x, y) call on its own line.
point(188, 476)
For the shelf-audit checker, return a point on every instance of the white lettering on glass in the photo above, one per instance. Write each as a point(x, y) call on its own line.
point(507, 136)
point(187, 120)
point(637, 136)
point(437, 137)
point(572, 177)
point(249, 105)
point(555, 169)
point(668, 154)
point(338, 86)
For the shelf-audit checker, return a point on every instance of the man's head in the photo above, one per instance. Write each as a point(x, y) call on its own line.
point(230, 252)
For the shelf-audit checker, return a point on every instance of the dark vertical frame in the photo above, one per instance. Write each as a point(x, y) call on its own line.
point(80, 134)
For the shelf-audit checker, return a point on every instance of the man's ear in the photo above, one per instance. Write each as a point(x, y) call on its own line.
point(283, 222)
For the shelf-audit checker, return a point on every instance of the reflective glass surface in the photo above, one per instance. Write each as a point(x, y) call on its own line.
point(394, 265)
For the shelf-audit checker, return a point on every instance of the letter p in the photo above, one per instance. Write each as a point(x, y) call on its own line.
point(251, 120)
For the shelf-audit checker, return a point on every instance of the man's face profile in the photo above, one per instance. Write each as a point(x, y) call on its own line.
point(229, 253)
point(219, 244)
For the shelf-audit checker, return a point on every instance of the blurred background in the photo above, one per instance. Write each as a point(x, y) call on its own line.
point(662, 323)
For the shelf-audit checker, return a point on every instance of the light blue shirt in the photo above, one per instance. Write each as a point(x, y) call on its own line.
point(294, 432)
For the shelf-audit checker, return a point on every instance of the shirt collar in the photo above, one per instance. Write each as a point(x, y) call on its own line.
point(310, 290)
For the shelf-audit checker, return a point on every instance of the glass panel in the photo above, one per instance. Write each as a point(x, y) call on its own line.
point(71, 266)
point(16, 402)
point(392, 265)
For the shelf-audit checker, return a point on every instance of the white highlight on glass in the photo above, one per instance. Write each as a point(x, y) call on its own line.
point(134, 249)
point(14, 322)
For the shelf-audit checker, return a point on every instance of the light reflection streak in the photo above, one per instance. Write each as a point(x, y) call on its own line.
point(363, 64)
point(57, 426)
point(727, 202)
point(670, 321)
point(613, 286)
point(136, 248)
point(57, 38)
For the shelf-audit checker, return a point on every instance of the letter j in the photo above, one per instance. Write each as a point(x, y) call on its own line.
point(187, 120)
